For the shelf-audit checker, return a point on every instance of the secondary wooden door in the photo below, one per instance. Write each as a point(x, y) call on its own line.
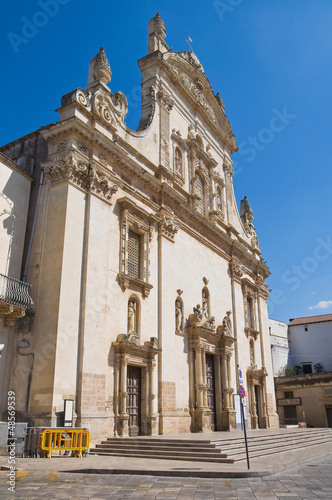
point(134, 399)
point(211, 392)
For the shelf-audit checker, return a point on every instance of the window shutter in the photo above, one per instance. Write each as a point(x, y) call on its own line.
point(134, 254)
point(200, 192)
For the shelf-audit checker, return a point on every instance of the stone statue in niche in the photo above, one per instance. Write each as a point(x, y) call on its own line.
point(178, 161)
point(218, 200)
point(178, 317)
point(131, 316)
point(227, 324)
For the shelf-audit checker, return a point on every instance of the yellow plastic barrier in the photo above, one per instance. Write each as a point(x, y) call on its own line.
point(75, 440)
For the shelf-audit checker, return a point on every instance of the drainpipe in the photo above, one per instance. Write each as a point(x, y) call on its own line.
point(79, 382)
point(25, 269)
point(160, 332)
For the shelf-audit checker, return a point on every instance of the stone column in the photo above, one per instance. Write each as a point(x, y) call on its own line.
point(123, 417)
point(191, 379)
point(253, 406)
point(218, 393)
point(116, 393)
point(230, 402)
point(152, 420)
point(224, 381)
point(205, 401)
point(199, 378)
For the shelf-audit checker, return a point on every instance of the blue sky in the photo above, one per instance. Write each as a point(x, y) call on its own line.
point(271, 62)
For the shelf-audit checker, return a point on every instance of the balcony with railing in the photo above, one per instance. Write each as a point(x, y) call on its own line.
point(14, 299)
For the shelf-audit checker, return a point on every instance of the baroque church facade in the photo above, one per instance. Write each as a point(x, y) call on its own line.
point(148, 285)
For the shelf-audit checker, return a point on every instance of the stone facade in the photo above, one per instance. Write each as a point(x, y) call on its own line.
point(149, 286)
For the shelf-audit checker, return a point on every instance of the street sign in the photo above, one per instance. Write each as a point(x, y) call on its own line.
point(242, 392)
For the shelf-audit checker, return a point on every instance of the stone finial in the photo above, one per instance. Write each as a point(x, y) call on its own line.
point(157, 35)
point(246, 212)
point(220, 101)
point(156, 25)
point(247, 217)
point(99, 68)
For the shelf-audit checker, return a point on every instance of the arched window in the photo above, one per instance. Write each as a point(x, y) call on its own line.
point(199, 188)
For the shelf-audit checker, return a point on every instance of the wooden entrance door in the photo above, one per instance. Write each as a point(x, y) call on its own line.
point(134, 399)
point(329, 416)
point(211, 392)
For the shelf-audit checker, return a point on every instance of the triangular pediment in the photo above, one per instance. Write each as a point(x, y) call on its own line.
point(190, 74)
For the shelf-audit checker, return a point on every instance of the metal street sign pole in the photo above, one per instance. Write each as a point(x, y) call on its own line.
point(245, 433)
point(242, 395)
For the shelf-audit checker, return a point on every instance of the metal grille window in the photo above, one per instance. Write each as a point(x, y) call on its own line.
point(250, 313)
point(200, 192)
point(134, 254)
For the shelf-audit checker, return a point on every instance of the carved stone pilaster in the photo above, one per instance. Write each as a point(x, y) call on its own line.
point(228, 168)
point(167, 224)
point(165, 100)
point(236, 269)
point(262, 287)
point(101, 185)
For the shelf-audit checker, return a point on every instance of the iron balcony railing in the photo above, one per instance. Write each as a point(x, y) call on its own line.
point(15, 292)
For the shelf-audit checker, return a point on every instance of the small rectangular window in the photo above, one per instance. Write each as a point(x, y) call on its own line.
point(307, 367)
point(134, 254)
point(288, 395)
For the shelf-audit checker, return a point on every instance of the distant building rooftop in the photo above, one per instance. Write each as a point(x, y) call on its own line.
point(310, 319)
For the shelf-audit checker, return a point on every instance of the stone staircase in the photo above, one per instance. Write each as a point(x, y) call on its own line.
point(166, 449)
point(228, 447)
point(273, 443)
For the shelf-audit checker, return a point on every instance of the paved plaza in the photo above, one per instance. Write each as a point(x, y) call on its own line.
point(306, 481)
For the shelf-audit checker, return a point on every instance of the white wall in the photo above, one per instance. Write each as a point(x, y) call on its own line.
point(279, 344)
point(311, 346)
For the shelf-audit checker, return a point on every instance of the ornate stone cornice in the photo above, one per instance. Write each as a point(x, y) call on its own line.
point(68, 168)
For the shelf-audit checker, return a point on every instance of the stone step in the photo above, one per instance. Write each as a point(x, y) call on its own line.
point(226, 450)
point(281, 447)
point(165, 451)
point(188, 458)
point(299, 434)
point(262, 444)
point(160, 442)
point(166, 444)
